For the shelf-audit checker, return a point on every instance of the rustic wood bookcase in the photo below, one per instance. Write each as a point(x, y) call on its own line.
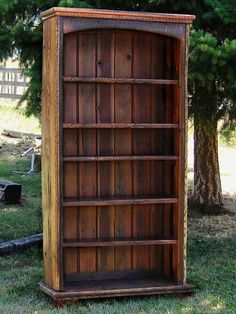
point(114, 153)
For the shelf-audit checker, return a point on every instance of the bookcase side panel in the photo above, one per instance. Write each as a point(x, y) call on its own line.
point(182, 236)
point(50, 155)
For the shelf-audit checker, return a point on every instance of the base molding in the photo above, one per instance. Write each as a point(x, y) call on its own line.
point(73, 293)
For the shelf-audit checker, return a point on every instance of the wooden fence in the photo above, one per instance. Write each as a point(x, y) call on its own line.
point(12, 83)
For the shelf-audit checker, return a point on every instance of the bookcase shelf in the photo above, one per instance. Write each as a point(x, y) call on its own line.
point(111, 80)
point(117, 158)
point(117, 242)
point(120, 126)
point(109, 200)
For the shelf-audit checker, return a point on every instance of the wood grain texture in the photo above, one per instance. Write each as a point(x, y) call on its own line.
point(119, 179)
point(122, 145)
point(87, 173)
point(71, 25)
point(118, 200)
point(123, 288)
point(184, 165)
point(167, 173)
point(116, 242)
point(120, 125)
point(141, 170)
point(105, 144)
point(116, 14)
point(70, 170)
point(114, 158)
point(156, 146)
point(50, 155)
point(177, 150)
point(118, 80)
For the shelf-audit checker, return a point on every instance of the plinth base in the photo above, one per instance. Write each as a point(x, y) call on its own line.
point(116, 288)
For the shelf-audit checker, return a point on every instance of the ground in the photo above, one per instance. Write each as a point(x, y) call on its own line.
point(23, 219)
point(211, 263)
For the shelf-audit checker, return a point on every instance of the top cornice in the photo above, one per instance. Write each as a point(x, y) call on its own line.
point(118, 15)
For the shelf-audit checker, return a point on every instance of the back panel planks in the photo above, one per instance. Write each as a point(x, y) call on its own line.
point(71, 175)
point(87, 144)
point(105, 144)
point(156, 112)
point(120, 54)
point(123, 145)
point(141, 170)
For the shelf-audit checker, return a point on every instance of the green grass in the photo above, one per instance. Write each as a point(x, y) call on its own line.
point(211, 268)
point(25, 218)
point(211, 263)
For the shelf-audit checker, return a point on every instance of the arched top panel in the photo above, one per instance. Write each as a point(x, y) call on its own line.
point(175, 30)
point(146, 55)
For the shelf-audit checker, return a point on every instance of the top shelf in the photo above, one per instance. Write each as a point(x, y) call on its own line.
point(120, 125)
point(110, 80)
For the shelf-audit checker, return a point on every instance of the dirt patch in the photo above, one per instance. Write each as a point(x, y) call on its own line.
point(11, 146)
point(223, 226)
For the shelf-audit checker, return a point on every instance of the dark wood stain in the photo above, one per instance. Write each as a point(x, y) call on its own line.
point(120, 157)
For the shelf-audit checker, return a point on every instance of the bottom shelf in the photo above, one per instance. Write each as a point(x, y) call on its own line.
point(117, 288)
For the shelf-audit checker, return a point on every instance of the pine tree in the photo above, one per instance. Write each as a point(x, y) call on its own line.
point(212, 69)
point(212, 76)
point(212, 86)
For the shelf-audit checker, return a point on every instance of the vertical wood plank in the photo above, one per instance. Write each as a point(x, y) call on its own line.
point(182, 234)
point(105, 114)
point(177, 149)
point(50, 155)
point(123, 145)
point(167, 168)
point(87, 145)
point(70, 232)
point(157, 103)
point(46, 151)
point(71, 179)
point(141, 145)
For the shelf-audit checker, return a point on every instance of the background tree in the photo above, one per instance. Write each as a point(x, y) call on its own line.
point(21, 36)
point(212, 69)
point(213, 89)
point(212, 85)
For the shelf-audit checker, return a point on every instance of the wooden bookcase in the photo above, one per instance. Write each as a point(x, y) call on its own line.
point(114, 153)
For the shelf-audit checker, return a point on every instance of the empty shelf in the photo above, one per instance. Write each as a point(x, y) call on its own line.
point(111, 200)
point(113, 158)
point(117, 242)
point(111, 80)
point(120, 125)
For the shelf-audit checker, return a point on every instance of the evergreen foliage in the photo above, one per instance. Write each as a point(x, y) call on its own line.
point(212, 78)
point(212, 66)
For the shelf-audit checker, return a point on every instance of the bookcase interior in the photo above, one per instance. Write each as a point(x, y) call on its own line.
point(120, 158)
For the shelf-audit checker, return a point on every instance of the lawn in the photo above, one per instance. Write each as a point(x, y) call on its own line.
point(26, 218)
point(211, 263)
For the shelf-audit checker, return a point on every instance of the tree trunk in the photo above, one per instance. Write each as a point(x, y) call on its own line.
point(207, 183)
